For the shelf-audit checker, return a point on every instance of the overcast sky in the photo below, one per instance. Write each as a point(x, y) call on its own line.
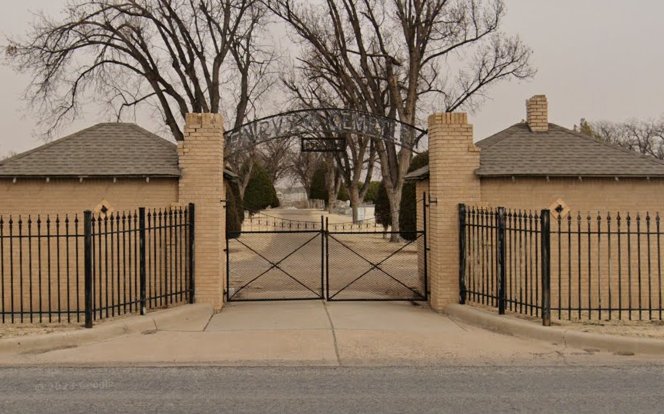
point(598, 59)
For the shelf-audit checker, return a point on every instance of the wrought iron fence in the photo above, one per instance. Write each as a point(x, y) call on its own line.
point(607, 266)
point(503, 259)
point(41, 268)
point(596, 267)
point(71, 268)
point(259, 221)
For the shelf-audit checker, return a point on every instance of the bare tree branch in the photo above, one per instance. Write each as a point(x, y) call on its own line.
point(394, 57)
point(172, 52)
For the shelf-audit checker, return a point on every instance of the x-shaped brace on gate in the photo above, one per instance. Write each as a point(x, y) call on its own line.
point(375, 266)
point(275, 265)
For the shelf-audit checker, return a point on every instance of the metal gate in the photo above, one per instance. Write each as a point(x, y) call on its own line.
point(275, 265)
point(279, 259)
point(375, 266)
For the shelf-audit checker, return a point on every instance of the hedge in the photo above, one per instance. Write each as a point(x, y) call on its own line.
point(260, 193)
point(409, 201)
point(234, 208)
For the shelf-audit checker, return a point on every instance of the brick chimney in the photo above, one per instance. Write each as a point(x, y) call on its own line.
point(538, 113)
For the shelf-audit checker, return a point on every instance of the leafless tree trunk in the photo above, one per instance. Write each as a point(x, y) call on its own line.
point(303, 166)
point(332, 182)
point(391, 56)
point(356, 167)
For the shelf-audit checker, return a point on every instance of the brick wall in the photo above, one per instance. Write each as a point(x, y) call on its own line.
point(586, 195)
point(47, 274)
point(608, 271)
point(453, 159)
point(71, 196)
point(201, 158)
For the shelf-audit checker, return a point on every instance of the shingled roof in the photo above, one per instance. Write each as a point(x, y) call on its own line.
point(103, 150)
point(559, 152)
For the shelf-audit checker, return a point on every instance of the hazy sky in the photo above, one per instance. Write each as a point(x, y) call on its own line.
point(598, 59)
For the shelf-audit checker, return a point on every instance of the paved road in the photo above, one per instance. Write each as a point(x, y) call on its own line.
point(332, 390)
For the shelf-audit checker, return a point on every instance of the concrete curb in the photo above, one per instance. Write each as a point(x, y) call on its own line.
point(575, 339)
point(105, 330)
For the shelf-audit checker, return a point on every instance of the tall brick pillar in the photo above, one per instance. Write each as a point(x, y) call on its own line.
point(201, 160)
point(453, 159)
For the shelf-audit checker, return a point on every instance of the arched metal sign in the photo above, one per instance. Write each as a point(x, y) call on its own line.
point(323, 129)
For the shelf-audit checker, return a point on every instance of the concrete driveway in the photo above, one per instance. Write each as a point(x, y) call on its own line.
point(321, 334)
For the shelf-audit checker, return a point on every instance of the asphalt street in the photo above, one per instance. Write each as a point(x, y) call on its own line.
point(603, 389)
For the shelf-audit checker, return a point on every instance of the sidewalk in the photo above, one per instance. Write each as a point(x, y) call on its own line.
point(313, 333)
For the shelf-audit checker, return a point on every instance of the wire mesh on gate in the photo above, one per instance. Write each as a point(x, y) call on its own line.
point(259, 221)
point(374, 266)
point(275, 265)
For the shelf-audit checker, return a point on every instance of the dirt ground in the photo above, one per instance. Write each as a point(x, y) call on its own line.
point(650, 329)
point(634, 328)
point(9, 330)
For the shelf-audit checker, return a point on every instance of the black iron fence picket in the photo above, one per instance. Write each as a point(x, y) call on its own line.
point(504, 260)
point(575, 266)
point(607, 266)
point(40, 269)
point(71, 268)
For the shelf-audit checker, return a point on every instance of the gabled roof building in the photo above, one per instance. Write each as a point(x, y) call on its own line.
point(535, 164)
point(110, 166)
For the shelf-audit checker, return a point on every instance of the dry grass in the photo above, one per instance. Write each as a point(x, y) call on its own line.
point(9, 330)
point(633, 328)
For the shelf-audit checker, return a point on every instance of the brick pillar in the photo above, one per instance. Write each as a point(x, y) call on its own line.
point(453, 159)
point(201, 160)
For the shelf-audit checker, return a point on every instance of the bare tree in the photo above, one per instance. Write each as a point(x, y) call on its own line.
point(303, 165)
point(333, 180)
point(172, 55)
point(643, 137)
point(353, 167)
point(7, 155)
point(356, 166)
point(275, 156)
point(391, 56)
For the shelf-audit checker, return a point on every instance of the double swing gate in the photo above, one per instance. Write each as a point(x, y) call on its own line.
point(278, 259)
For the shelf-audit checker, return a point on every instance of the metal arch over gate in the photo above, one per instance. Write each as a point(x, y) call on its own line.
point(325, 262)
point(326, 124)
